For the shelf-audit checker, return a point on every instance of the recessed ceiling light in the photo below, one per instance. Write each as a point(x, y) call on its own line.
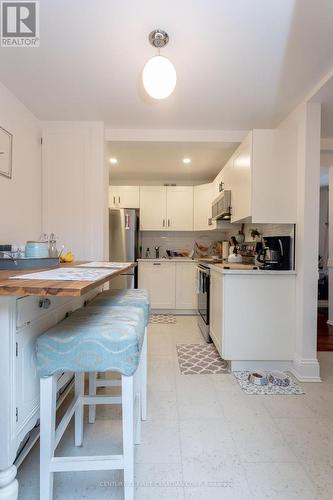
point(113, 161)
point(186, 161)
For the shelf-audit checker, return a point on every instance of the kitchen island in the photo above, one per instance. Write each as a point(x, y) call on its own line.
point(28, 307)
point(253, 319)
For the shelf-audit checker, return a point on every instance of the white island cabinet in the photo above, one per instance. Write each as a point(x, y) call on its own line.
point(253, 317)
point(171, 283)
point(22, 320)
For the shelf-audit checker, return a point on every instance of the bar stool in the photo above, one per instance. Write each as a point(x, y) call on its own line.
point(91, 339)
point(125, 298)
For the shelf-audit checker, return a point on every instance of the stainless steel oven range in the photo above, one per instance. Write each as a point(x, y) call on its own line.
point(203, 291)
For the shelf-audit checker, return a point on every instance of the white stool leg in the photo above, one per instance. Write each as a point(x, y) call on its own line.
point(79, 391)
point(48, 389)
point(92, 392)
point(137, 406)
point(144, 378)
point(128, 435)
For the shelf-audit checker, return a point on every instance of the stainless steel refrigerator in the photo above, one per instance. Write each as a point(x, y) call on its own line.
point(124, 243)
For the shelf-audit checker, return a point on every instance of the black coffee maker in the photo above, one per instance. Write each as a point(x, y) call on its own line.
point(275, 253)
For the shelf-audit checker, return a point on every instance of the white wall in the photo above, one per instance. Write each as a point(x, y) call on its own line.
point(75, 187)
point(305, 121)
point(20, 197)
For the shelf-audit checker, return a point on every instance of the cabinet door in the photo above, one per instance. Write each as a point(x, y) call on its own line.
point(216, 310)
point(159, 278)
point(186, 279)
point(240, 180)
point(153, 208)
point(128, 196)
point(202, 208)
point(216, 185)
point(27, 380)
point(180, 208)
point(113, 196)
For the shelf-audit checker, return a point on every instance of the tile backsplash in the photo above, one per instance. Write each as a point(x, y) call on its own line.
point(184, 240)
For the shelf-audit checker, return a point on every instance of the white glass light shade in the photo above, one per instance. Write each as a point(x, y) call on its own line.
point(159, 77)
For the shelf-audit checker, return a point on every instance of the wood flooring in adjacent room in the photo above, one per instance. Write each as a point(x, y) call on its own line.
point(325, 331)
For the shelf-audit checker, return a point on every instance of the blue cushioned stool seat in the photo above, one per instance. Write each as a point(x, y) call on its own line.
point(93, 339)
point(127, 297)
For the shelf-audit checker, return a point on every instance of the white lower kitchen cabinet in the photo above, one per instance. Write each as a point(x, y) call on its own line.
point(171, 284)
point(186, 278)
point(159, 278)
point(253, 315)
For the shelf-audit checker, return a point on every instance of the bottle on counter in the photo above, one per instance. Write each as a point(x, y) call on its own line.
point(53, 251)
point(147, 253)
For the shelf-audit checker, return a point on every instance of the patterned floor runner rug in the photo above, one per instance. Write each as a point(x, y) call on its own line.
point(200, 359)
point(169, 319)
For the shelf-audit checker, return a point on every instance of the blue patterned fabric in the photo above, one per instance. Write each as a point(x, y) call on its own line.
point(93, 339)
point(127, 297)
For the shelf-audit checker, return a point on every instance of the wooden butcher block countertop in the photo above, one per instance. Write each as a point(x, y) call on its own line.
point(10, 286)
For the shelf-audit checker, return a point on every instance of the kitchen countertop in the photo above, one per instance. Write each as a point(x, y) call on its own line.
point(52, 288)
point(229, 268)
point(224, 268)
point(168, 259)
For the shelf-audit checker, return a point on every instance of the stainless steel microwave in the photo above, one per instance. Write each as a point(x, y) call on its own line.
point(221, 206)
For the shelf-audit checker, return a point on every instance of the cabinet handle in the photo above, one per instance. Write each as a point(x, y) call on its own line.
point(44, 303)
point(114, 200)
point(119, 199)
point(163, 222)
point(168, 222)
point(156, 263)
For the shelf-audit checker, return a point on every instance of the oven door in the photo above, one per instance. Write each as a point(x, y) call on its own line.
point(203, 294)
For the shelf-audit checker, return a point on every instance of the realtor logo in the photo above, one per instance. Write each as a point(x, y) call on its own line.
point(19, 23)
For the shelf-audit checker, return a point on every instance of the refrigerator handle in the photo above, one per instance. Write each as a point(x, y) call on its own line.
point(127, 221)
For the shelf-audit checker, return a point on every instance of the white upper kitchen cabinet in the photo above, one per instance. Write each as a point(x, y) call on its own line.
point(167, 208)
point(153, 208)
point(240, 181)
point(159, 278)
point(186, 278)
point(202, 207)
point(263, 178)
point(180, 208)
point(124, 197)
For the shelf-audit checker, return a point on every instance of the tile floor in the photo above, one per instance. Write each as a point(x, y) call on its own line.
point(206, 439)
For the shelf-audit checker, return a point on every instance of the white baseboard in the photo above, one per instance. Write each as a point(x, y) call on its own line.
point(260, 365)
point(306, 370)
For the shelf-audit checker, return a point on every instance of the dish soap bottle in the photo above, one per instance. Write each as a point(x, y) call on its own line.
point(147, 253)
point(53, 251)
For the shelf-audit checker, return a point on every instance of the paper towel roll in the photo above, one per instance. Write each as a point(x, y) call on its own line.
point(225, 249)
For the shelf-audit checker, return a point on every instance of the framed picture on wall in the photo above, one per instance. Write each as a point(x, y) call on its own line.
point(6, 145)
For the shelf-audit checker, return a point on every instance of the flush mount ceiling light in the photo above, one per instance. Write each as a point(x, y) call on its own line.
point(159, 75)
point(113, 161)
point(186, 161)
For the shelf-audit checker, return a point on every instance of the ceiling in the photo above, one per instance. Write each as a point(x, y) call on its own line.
point(241, 64)
point(151, 162)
